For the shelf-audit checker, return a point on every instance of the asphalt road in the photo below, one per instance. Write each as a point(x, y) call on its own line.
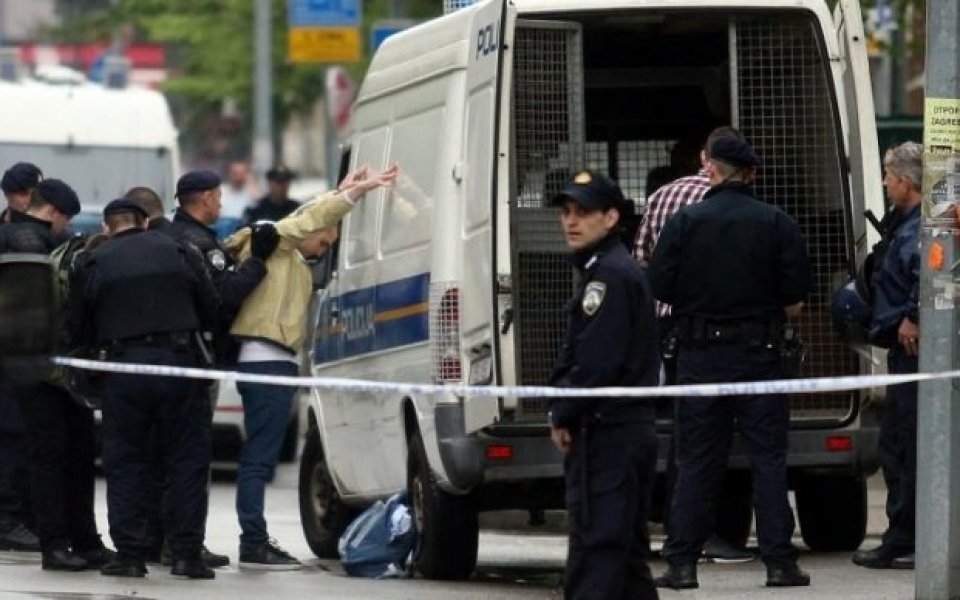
point(515, 562)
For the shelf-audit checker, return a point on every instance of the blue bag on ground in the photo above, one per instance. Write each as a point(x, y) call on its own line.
point(379, 543)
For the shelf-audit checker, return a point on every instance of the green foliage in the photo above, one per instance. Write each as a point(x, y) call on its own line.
point(210, 46)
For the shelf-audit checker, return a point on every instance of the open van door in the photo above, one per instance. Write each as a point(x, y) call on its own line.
point(862, 145)
point(484, 172)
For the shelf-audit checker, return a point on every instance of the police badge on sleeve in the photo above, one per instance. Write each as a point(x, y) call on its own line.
point(217, 259)
point(593, 297)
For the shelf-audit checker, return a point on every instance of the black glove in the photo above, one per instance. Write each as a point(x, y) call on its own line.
point(263, 240)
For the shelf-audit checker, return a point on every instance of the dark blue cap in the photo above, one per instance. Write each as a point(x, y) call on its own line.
point(197, 181)
point(591, 190)
point(59, 195)
point(734, 151)
point(281, 173)
point(21, 177)
point(121, 205)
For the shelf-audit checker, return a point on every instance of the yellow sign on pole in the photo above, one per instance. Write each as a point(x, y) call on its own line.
point(323, 44)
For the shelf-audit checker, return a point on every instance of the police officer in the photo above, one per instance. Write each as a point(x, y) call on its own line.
point(150, 201)
point(608, 443)
point(894, 325)
point(59, 431)
point(734, 269)
point(111, 298)
point(18, 183)
point(276, 203)
point(199, 195)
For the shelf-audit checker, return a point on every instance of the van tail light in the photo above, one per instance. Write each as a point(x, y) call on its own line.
point(445, 358)
point(839, 443)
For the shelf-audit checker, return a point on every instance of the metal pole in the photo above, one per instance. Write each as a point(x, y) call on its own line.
point(938, 451)
point(262, 89)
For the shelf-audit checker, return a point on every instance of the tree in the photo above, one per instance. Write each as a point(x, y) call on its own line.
point(210, 46)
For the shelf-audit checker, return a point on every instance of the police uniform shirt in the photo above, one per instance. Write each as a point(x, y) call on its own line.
point(26, 234)
point(140, 283)
point(730, 257)
point(234, 283)
point(611, 337)
point(267, 210)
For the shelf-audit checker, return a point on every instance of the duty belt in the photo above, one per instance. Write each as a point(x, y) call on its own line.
point(165, 338)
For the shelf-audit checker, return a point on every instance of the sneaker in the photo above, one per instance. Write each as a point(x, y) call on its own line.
point(720, 551)
point(268, 557)
point(17, 537)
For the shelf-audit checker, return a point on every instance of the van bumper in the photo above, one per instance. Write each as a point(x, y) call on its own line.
point(526, 453)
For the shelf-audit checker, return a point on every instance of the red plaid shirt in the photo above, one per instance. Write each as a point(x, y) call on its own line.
point(667, 200)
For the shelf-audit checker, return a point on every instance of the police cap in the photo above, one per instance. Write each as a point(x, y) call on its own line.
point(122, 205)
point(591, 190)
point(197, 181)
point(734, 151)
point(21, 177)
point(281, 173)
point(59, 195)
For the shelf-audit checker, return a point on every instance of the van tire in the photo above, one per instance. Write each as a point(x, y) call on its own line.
point(323, 515)
point(832, 511)
point(447, 524)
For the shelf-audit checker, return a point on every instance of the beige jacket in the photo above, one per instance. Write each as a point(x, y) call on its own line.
point(276, 311)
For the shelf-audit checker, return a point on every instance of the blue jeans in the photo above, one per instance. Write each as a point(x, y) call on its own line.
point(266, 413)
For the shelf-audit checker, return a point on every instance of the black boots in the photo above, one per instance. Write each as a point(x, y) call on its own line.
point(788, 575)
point(679, 577)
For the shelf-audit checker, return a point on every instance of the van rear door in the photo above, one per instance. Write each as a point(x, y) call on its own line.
point(862, 145)
point(483, 172)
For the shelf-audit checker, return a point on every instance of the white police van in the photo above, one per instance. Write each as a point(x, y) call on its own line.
point(458, 274)
point(101, 139)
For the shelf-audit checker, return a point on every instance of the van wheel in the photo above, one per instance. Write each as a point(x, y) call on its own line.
point(447, 524)
point(832, 511)
point(735, 508)
point(323, 515)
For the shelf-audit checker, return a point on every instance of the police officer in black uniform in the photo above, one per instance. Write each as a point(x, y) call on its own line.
point(143, 298)
point(59, 431)
point(199, 195)
point(609, 443)
point(18, 183)
point(734, 269)
point(276, 203)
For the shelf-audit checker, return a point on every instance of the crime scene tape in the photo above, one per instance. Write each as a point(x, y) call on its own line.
point(777, 386)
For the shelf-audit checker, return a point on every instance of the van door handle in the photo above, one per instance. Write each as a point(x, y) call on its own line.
point(507, 318)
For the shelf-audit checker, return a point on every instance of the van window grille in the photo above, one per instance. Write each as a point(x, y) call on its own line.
point(784, 107)
point(548, 137)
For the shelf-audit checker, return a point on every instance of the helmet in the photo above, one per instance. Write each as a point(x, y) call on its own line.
point(851, 313)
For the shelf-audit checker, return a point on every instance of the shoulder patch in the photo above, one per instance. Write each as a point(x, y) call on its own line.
point(217, 260)
point(593, 297)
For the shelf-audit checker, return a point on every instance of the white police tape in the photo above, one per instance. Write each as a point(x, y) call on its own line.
point(777, 386)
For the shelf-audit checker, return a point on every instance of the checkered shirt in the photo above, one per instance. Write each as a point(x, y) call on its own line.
point(667, 200)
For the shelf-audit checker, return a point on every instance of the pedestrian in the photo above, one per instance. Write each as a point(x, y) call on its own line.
point(276, 204)
point(116, 300)
point(59, 430)
point(894, 325)
point(18, 183)
point(237, 197)
point(734, 269)
point(271, 326)
point(609, 444)
point(198, 193)
point(662, 205)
